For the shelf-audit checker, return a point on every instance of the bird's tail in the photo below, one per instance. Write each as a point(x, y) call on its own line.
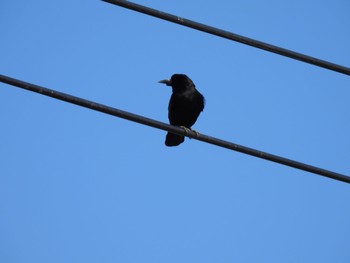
point(173, 139)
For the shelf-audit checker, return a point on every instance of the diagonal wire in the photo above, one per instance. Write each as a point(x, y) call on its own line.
point(163, 126)
point(231, 36)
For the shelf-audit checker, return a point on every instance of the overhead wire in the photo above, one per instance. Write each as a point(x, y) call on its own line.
point(231, 36)
point(174, 129)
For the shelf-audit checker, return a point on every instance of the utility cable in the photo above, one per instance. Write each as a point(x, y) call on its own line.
point(231, 36)
point(174, 129)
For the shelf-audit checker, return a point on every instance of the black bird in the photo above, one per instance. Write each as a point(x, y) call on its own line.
point(185, 105)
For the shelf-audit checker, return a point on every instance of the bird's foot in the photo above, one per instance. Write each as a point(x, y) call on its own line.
point(196, 132)
point(188, 130)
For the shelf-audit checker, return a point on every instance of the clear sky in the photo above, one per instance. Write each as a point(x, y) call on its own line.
point(81, 186)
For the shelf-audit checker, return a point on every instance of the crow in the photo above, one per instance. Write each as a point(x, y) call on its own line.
point(185, 105)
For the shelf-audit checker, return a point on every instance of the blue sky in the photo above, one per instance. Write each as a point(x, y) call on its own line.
point(80, 186)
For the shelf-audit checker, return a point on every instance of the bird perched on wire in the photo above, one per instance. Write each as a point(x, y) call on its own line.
point(185, 105)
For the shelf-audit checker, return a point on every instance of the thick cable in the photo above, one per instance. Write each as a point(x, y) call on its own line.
point(231, 36)
point(174, 129)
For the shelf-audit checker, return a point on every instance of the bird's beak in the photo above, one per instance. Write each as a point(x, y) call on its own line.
point(165, 81)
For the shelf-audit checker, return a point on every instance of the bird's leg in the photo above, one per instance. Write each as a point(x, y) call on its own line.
point(187, 130)
point(197, 133)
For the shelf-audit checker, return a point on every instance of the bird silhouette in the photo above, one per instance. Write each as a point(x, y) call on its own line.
point(185, 105)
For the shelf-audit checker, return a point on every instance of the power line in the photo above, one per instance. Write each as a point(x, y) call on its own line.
point(231, 36)
point(163, 126)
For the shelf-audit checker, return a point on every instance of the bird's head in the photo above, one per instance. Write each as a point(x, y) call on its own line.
point(178, 82)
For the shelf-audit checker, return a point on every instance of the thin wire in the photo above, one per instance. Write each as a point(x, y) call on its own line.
point(163, 126)
point(231, 36)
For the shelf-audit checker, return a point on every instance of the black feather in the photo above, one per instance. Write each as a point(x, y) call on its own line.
point(185, 105)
